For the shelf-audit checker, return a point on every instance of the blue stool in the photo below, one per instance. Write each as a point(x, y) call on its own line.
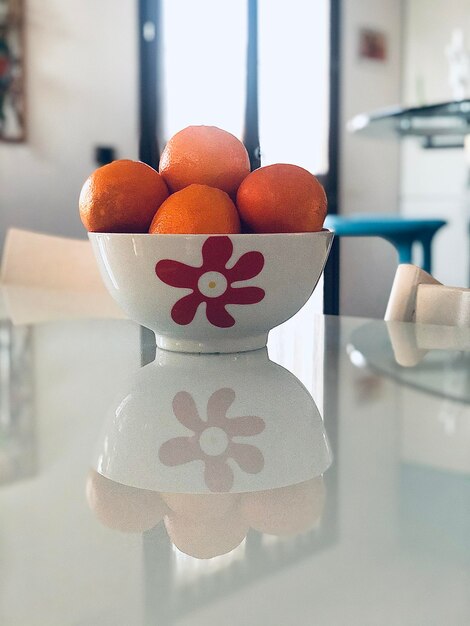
point(401, 232)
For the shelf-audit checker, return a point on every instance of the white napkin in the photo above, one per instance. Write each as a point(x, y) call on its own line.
point(439, 304)
point(402, 302)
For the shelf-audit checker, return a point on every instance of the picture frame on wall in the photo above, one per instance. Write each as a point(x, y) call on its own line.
point(12, 72)
point(372, 45)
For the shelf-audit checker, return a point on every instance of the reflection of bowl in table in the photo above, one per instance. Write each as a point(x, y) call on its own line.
point(211, 293)
point(213, 423)
point(214, 445)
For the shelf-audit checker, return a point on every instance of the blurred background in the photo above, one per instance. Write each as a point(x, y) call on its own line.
point(86, 81)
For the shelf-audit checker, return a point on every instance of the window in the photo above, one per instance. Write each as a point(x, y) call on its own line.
point(293, 82)
point(204, 60)
point(201, 78)
point(204, 64)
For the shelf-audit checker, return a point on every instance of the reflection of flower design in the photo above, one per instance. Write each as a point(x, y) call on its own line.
point(212, 441)
point(212, 282)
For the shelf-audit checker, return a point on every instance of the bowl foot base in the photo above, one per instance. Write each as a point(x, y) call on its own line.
point(212, 346)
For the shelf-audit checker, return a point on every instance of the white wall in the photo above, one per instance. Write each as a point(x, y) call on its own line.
point(369, 168)
point(434, 181)
point(81, 67)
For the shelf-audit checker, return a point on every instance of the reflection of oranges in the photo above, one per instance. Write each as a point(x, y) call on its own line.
point(200, 505)
point(208, 525)
point(206, 155)
point(206, 538)
point(197, 209)
point(286, 510)
point(123, 508)
point(282, 198)
point(121, 197)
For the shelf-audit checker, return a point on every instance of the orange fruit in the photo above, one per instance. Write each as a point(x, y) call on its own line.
point(282, 198)
point(197, 209)
point(121, 197)
point(206, 155)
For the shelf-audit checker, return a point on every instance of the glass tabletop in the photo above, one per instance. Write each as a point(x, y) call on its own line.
point(279, 486)
point(445, 123)
point(435, 359)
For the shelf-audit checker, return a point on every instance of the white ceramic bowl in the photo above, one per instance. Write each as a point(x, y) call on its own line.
point(211, 293)
point(211, 424)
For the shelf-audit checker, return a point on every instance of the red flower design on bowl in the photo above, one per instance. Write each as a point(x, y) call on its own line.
point(212, 441)
point(212, 282)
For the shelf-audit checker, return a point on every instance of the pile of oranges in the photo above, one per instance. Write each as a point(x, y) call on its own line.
point(204, 186)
